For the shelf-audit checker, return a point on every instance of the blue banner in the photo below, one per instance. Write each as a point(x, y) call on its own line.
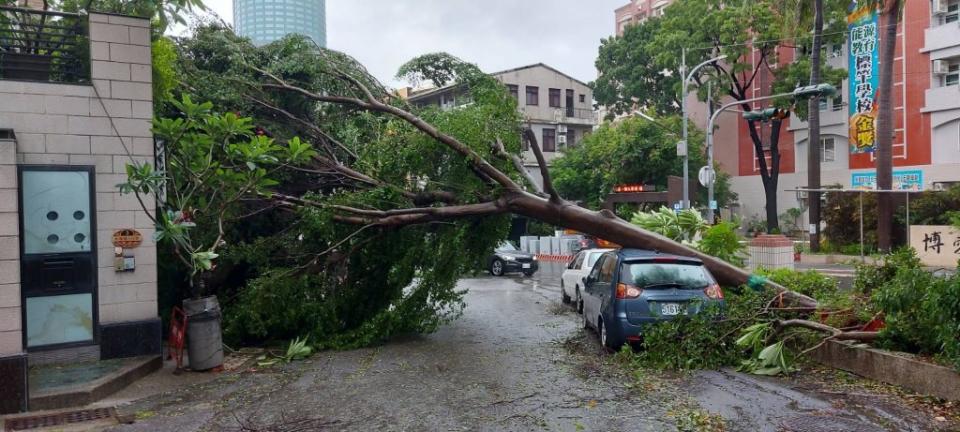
point(906, 180)
point(863, 48)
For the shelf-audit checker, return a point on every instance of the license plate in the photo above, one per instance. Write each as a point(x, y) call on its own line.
point(526, 266)
point(671, 309)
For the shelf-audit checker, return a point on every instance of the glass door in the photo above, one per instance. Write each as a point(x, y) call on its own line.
point(58, 256)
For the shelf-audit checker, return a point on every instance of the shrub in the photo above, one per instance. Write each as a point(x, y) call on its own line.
point(722, 241)
point(922, 310)
point(701, 341)
point(811, 283)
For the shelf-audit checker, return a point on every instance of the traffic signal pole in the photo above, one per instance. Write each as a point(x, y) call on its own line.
point(822, 89)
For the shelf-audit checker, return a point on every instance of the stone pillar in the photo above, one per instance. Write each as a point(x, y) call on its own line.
point(770, 251)
point(13, 361)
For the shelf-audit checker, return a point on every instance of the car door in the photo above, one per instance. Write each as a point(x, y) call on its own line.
point(593, 291)
point(604, 286)
point(572, 274)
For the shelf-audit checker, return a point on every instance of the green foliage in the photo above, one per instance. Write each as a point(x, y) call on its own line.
point(629, 77)
point(722, 241)
point(164, 55)
point(682, 226)
point(212, 162)
point(797, 74)
point(701, 341)
point(870, 277)
point(304, 273)
point(296, 350)
point(163, 13)
point(439, 69)
point(932, 207)
point(633, 151)
point(810, 282)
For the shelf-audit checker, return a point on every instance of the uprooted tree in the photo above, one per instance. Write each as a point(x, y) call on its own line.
point(390, 179)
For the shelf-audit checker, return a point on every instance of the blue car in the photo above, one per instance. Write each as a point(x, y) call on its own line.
point(628, 289)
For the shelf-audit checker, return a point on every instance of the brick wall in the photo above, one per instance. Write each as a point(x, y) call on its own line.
point(105, 125)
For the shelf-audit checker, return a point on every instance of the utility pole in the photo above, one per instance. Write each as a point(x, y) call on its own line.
point(683, 103)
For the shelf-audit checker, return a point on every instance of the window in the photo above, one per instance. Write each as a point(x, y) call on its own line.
point(533, 95)
point(828, 150)
point(823, 103)
point(571, 138)
point(583, 98)
point(953, 12)
point(838, 100)
point(607, 267)
point(577, 262)
point(554, 98)
point(514, 91)
point(549, 140)
point(952, 77)
point(836, 50)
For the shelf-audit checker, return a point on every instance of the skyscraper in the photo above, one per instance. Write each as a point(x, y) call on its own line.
point(264, 21)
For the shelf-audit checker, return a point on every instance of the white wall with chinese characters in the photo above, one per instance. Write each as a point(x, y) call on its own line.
point(936, 245)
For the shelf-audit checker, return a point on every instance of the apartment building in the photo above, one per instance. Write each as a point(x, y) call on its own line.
point(926, 146)
point(638, 11)
point(78, 265)
point(557, 107)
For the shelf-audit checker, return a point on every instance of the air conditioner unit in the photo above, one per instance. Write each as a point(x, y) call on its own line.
point(938, 186)
point(562, 139)
point(562, 129)
point(941, 67)
point(940, 7)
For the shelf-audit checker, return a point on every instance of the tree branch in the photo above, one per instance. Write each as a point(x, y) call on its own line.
point(374, 105)
point(500, 151)
point(542, 164)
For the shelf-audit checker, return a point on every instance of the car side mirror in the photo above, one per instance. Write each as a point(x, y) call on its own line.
point(587, 280)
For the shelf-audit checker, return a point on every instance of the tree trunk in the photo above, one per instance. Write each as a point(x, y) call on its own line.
point(606, 225)
point(885, 126)
point(813, 123)
point(772, 180)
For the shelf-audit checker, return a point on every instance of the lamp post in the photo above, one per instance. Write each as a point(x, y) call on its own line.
point(682, 147)
point(800, 92)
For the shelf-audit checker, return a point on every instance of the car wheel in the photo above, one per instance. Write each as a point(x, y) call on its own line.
point(563, 295)
point(605, 337)
point(528, 273)
point(579, 301)
point(496, 268)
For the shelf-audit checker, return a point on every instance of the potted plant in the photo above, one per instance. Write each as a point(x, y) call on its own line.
point(210, 163)
point(797, 251)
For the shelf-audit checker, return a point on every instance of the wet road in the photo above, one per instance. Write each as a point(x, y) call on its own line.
point(514, 361)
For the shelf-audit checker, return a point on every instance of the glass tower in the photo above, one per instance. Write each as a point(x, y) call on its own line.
point(264, 21)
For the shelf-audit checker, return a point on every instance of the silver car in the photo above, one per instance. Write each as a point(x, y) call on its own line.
point(571, 282)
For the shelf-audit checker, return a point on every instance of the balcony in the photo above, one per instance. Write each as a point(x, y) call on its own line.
point(580, 116)
point(43, 46)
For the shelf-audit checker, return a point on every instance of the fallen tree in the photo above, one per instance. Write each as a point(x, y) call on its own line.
point(504, 193)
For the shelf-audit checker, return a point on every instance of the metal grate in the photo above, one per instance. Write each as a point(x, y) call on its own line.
point(815, 423)
point(58, 419)
point(38, 45)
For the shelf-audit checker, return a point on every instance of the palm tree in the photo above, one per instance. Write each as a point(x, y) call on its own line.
point(890, 12)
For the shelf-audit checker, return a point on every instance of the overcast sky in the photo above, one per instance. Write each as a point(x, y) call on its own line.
point(495, 34)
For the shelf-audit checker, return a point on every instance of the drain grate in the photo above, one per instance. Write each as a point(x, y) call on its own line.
point(813, 423)
point(58, 419)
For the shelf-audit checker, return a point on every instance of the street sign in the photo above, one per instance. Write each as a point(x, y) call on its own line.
point(681, 148)
point(713, 205)
point(676, 207)
point(706, 176)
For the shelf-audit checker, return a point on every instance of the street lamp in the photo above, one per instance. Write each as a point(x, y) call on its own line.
point(800, 92)
point(682, 147)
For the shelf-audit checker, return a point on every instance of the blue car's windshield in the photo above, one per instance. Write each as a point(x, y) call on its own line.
point(653, 274)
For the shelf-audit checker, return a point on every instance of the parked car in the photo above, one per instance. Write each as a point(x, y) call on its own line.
point(571, 281)
point(631, 288)
point(508, 259)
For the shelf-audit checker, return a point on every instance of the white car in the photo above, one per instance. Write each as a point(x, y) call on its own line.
point(571, 282)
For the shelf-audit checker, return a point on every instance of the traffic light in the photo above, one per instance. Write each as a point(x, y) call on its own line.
point(767, 114)
point(815, 90)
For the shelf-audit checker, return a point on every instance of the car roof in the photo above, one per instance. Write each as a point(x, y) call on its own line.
point(597, 250)
point(629, 254)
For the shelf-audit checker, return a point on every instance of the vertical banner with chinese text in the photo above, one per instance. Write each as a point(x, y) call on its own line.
point(863, 59)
